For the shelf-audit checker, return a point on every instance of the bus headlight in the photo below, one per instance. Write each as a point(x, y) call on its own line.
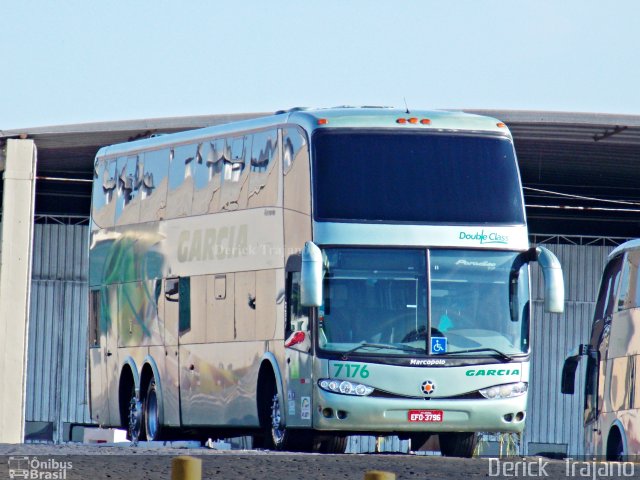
point(504, 391)
point(344, 387)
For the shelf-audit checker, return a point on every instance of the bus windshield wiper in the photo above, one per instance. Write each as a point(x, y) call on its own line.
point(503, 356)
point(380, 346)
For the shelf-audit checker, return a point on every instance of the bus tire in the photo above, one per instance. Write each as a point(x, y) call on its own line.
point(152, 426)
point(615, 446)
point(135, 418)
point(458, 444)
point(333, 444)
point(418, 440)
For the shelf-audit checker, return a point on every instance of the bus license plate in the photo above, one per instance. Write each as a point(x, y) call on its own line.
point(426, 416)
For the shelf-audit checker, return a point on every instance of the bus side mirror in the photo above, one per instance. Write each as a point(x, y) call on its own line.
point(569, 371)
point(311, 276)
point(553, 281)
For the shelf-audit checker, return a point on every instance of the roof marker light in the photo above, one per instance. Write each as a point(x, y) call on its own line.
point(425, 121)
point(401, 120)
point(413, 120)
point(501, 125)
point(322, 121)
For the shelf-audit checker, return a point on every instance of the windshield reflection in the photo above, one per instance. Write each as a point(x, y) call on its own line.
point(374, 296)
point(375, 302)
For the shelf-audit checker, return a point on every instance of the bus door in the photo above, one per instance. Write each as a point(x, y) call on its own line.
point(597, 363)
point(298, 357)
point(98, 359)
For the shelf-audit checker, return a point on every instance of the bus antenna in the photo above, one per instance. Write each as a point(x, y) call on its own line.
point(406, 105)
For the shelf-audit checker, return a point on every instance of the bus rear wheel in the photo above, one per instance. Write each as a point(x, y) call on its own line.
point(458, 444)
point(135, 418)
point(152, 425)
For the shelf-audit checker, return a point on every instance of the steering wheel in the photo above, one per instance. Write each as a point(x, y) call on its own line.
point(421, 334)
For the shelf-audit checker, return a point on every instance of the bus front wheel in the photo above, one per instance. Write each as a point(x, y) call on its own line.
point(458, 444)
point(277, 432)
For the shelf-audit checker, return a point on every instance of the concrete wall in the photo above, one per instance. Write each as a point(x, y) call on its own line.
point(15, 283)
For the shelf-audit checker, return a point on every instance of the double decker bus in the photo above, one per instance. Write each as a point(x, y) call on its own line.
point(314, 274)
point(611, 388)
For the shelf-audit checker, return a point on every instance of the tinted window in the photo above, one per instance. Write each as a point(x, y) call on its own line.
point(207, 174)
point(181, 166)
point(629, 296)
point(294, 145)
point(263, 179)
point(154, 185)
point(608, 289)
point(415, 177)
point(129, 171)
point(104, 189)
point(234, 172)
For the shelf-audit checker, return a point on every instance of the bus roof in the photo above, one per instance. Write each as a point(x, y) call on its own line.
point(340, 117)
point(626, 246)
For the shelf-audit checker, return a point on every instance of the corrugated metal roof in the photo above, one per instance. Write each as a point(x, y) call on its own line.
point(582, 154)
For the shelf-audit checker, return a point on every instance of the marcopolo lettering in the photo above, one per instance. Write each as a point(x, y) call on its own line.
point(472, 372)
point(212, 243)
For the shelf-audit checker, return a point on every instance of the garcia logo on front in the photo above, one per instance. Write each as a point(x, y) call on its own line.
point(484, 238)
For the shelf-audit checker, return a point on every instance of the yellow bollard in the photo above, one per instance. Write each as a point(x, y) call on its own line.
point(186, 468)
point(379, 475)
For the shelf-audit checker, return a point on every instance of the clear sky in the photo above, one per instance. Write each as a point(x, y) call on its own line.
point(76, 61)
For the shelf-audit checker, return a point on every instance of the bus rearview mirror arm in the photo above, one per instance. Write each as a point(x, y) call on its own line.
point(311, 274)
point(553, 280)
point(569, 368)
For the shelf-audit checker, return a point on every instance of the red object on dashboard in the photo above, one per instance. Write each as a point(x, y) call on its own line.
point(295, 339)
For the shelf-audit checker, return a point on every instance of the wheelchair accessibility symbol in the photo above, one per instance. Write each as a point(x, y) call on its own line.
point(438, 345)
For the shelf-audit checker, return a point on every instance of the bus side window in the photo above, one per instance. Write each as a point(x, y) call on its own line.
point(129, 175)
point(591, 389)
point(94, 319)
point(235, 173)
point(633, 295)
point(154, 184)
point(295, 163)
point(184, 310)
point(104, 189)
point(608, 289)
point(181, 166)
point(263, 177)
point(206, 177)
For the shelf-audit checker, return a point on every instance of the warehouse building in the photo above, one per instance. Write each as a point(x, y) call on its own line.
point(579, 171)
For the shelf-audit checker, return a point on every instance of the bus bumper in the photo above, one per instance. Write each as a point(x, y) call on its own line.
point(335, 412)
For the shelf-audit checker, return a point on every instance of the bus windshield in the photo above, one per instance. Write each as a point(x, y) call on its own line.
point(387, 302)
point(415, 177)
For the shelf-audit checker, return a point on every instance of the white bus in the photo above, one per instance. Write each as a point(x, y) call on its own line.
point(611, 388)
point(314, 274)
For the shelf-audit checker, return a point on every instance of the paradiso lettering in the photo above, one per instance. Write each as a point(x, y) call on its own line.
point(212, 243)
point(484, 238)
point(491, 373)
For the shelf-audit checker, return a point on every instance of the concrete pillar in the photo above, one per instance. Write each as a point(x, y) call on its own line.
point(15, 284)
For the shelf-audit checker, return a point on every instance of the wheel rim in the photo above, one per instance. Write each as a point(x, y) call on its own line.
point(152, 414)
point(277, 430)
point(135, 418)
